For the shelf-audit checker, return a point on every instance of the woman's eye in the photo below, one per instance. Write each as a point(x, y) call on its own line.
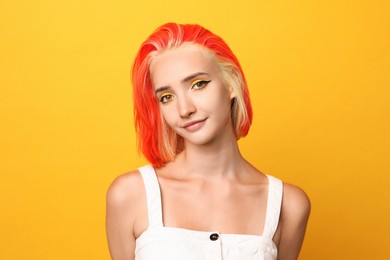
point(200, 84)
point(166, 98)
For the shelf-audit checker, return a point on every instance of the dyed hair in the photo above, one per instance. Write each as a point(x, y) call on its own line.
point(157, 141)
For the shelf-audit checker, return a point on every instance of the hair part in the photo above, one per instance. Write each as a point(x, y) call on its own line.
point(156, 140)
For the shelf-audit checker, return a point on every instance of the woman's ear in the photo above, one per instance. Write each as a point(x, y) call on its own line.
point(232, 93)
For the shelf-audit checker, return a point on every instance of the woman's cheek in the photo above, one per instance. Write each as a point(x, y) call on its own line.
point(168, 115)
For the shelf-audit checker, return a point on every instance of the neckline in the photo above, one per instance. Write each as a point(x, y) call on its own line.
point(207, 233)
point(269, 227)
point(164, 233)
point(241, 240)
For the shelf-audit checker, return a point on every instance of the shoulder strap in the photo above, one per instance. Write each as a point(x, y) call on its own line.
point(274, 203)
point(153, 196)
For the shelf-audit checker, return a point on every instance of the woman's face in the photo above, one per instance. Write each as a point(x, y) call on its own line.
point(193, 99)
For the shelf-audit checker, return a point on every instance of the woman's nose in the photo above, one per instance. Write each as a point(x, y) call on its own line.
point(185, 106)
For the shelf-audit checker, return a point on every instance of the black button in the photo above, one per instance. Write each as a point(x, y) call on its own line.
point(214, 236)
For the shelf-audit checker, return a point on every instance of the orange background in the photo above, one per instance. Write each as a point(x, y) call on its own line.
point(319, 75)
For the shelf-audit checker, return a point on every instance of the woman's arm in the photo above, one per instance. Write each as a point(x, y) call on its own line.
point(294, 217)
point(122, 200)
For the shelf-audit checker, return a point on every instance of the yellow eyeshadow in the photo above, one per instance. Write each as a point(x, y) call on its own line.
point(204, 81)
point(196, 81)
point(164, 95)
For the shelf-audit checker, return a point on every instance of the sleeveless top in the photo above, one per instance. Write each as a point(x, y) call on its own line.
point(168, 243)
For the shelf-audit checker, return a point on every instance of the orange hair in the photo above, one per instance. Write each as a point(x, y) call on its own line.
point(158, 143)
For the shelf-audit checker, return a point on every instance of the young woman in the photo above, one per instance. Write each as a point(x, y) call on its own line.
point(199, 198)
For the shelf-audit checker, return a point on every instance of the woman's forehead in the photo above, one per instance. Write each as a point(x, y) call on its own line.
point(174, 64)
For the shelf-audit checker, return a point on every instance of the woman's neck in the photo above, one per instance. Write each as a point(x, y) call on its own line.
point(217, 159)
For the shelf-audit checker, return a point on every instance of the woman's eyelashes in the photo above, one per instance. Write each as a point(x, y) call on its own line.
point(166, 98)
point(199, 84)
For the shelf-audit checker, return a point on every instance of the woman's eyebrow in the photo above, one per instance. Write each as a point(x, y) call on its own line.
point(192, 76)
point(161, 89)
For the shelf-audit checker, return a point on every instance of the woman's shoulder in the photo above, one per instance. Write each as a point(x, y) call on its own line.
point(296, 204)
point(125, 211)
point(293, 221)
point(124, 188)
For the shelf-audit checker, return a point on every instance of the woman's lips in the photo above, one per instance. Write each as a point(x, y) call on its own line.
point(194, 125)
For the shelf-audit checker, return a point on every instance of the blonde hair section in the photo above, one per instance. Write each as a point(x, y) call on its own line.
point(235, 83)
point(170, 142)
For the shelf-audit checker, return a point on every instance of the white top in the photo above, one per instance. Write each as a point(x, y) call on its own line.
point(168, 243)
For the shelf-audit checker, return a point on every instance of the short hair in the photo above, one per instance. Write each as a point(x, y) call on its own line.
point(157, 141)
